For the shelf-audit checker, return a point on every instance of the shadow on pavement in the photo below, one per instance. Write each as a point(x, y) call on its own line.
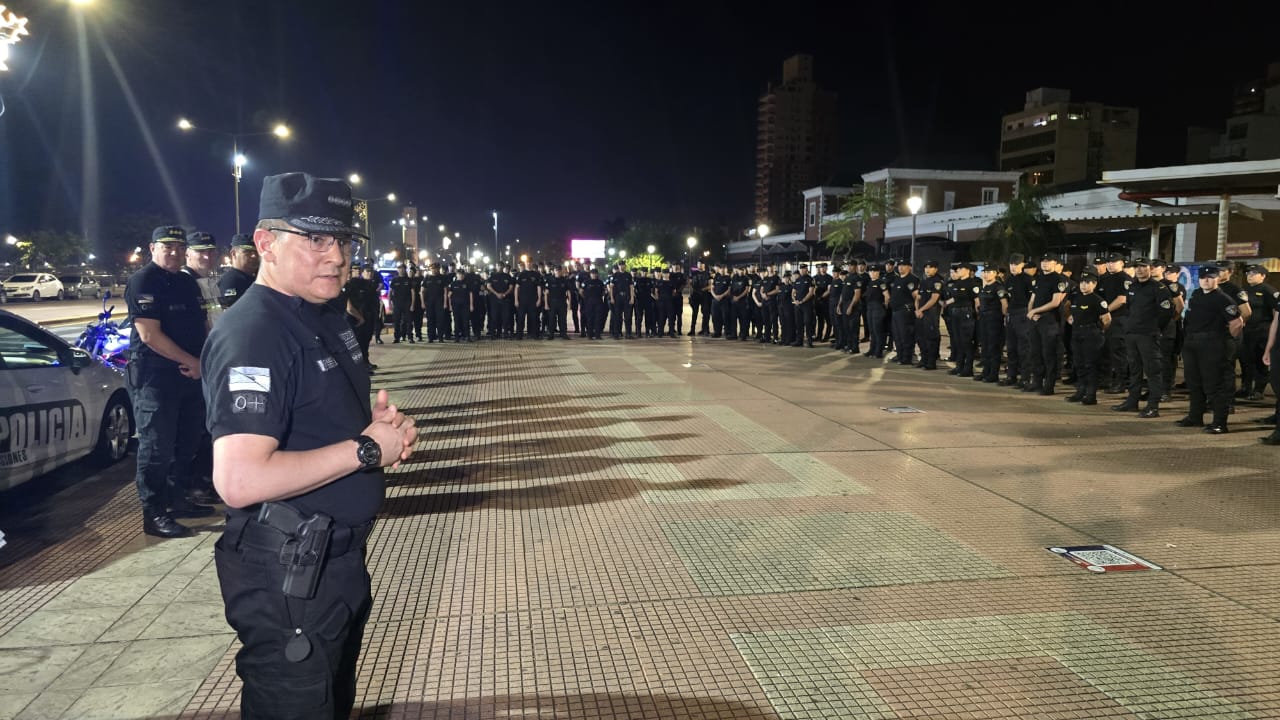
point(569, 493)
point(534, 467)
point(534, 447)
point(535, 423)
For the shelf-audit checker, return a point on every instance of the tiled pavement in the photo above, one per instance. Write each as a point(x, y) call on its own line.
point(710, 529)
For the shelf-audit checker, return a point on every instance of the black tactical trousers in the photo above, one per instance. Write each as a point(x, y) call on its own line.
point(323, 683)
point(719, 316)
point(1087, 344)
point(169, 411)
point(1144, 360)
point(742, 311)
point(1046, 355)
point(461, 319)
point(1118, 354)
point(499, 317)
point(435, 320)
point(786, 323)
point(527, 313)
point(558, 314)
point(929, 336)
point(401, 320)
point(989, 328)
point(620, 316)
point(904, 333)
point(1204, 357)
point(962, 324)
point(1017, 337)
point(1253, 372)
point(804, 322)
point(876, 314)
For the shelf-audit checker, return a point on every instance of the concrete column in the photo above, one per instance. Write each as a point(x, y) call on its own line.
point(1224, 216)
point(1155, 239)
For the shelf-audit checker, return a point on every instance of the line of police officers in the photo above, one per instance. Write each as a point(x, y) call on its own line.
point(172, 307)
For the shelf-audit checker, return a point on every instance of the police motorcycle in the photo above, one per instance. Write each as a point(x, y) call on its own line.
point(107, 340)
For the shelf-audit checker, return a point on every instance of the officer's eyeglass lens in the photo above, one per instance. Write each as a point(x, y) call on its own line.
point(321, 243)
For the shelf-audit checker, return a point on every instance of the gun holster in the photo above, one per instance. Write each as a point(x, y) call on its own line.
point(305, 548)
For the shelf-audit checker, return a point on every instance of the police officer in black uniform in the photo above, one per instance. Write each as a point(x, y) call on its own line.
point(1088, 319)
point(679, 281)
point(646, 310)
point(362, 310)
point(298, 456)
point(233, 281)
point(721, 304)
point(768, 292)
point(1213, 319)
point(501, 287)
point(740, 296)
point(1149, 305)
point(963, 304)
point(593, 303)
point(1171, 332)
point(401, 291)
point(876, 298)
point(928, 311)
point(1113, 287)
point(786, 310)
point(1018, 327)
point(622, 298)
point(416, 309)
point(903, 291)
point(528, 301)
point(993, 308)
point(1047, 295)
point(1263, 301)
point(855, 286)
point(699, 300)
point(433, 291)
point(803, 296)
point(163, 378)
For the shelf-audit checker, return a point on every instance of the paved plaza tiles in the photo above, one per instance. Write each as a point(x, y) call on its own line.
point(696, 528)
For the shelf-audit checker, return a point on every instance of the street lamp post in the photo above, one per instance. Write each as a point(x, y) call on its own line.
point(238, 160)
point(649, 260)
point(913, 204)
point(692, 242)
point(495, 232)
point(762, 230)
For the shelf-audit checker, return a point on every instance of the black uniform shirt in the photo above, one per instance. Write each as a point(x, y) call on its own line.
point(931, 286)
point(361, 293)
point(873, 292)
point(500, 282)
point(621, 282)
point(579, 278)
point(737, 285)
point(556, 289)
point(1264, 301)
point(900, 291)
point(720, 284)
point(768, 284)
point(284, 368)
point(1112, 285)
point(433, 288)
point(593, 290)
point(784, 293)
point(401, 288)
point(821, 283)
point(677, 281)
point(666, 290)
point(697, 280)
point(989, 297)
point(1234, 292)
point(1019, 289)
point(800, 287)
point(851, 284)
point(835, 291)
point(644, 286)
point(527, 283)
point(1211, 312)
point(458, 291)
point(174, 299)
point(1045, 287)
point(231, 285)
point(1149, 306)
point(1087, 310)
point(949, 291)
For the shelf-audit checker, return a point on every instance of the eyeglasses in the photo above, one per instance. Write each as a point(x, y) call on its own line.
point(321, 242)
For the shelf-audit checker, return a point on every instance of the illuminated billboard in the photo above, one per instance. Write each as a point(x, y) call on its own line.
point(586, 249)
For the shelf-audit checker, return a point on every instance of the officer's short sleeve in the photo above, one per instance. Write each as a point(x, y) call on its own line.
point(144, 295)
point(249, 380)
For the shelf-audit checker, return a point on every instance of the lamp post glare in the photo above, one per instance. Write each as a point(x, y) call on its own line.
point(281, 131)
point(354, 178)
point(762, 230)
point(391, 197)
point(10, 240)
point(913, 204)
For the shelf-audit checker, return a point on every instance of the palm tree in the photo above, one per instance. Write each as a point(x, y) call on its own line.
point(866, 202)
point(1023, 227)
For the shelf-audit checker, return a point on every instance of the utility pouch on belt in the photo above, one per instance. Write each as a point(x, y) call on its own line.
point(305, 547)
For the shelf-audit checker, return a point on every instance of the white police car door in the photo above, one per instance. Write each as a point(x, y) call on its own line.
point(44, 422)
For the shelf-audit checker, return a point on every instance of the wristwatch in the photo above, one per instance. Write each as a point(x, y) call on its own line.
point(368, 452)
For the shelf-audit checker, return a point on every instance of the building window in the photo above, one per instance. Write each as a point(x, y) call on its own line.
point(990, 195)
point(813, 213)
point(922, 192)
point(948, 201)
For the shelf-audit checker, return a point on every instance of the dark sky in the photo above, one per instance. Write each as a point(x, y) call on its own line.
point(559, 115)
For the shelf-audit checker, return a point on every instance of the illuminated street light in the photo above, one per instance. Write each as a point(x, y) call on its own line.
point(762, 230)
point(238, 160)
point(354, 178)
point(10, 240)
point(913, 204)
point(391, 197)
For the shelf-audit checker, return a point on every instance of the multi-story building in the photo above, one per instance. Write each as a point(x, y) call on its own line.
point(795, 143)
point(938, 190)
point(1252, 131)
point(1054, 141)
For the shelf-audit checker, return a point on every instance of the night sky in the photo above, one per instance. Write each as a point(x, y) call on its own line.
point(560, 116)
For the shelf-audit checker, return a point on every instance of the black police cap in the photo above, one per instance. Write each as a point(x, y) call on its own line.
point(1141, 262)
point(242, 240)
point(931, 263)
point(169, 234)
point(1114, 257)
point(1088, 275)
point(304, 201)
point(1209, 271)
point(201, 241)
point(1256, 269)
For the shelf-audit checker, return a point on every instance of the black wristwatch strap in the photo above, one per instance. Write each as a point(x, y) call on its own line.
point(368, 452)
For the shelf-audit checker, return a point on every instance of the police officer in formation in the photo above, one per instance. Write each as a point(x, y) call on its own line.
point(700, 299)
point(170, 324)
point(558, 292)
point(362, 304)
point(903, 291)
point(1263, 303)
point(1149, 306)
point(962, 306)
point(235, 280)
point(928, 299)
point(1212, 321)
point(401, 291)
point(1089, 320)
point(803, 294)
point(593, 304)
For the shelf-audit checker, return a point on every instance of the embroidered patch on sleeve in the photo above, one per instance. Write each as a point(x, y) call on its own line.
point(253, 379)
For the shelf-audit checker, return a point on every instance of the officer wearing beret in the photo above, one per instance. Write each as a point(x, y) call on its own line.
point(298, 456)
point(236, 279)
point(163, 378)
point(1213, 318)
point(1264, 301)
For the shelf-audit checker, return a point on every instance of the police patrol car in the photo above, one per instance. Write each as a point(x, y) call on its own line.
point(57, 404)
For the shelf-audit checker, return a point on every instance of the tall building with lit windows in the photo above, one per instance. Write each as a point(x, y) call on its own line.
point(1054, 141)
point(795, 143)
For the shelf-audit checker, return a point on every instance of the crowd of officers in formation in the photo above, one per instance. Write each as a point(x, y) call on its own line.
point(1119, 327)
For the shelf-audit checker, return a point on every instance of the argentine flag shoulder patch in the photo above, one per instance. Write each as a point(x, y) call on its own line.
point(255, 379)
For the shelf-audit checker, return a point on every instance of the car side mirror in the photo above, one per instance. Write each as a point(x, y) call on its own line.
point(80, 359)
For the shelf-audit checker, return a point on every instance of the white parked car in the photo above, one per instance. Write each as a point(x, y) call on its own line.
point(57, 404)
point(33, 286)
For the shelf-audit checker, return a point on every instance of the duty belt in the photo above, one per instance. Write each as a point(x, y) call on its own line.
point(254, 534)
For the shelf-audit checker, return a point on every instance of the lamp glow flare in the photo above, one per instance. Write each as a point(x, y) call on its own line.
point(12, 29)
